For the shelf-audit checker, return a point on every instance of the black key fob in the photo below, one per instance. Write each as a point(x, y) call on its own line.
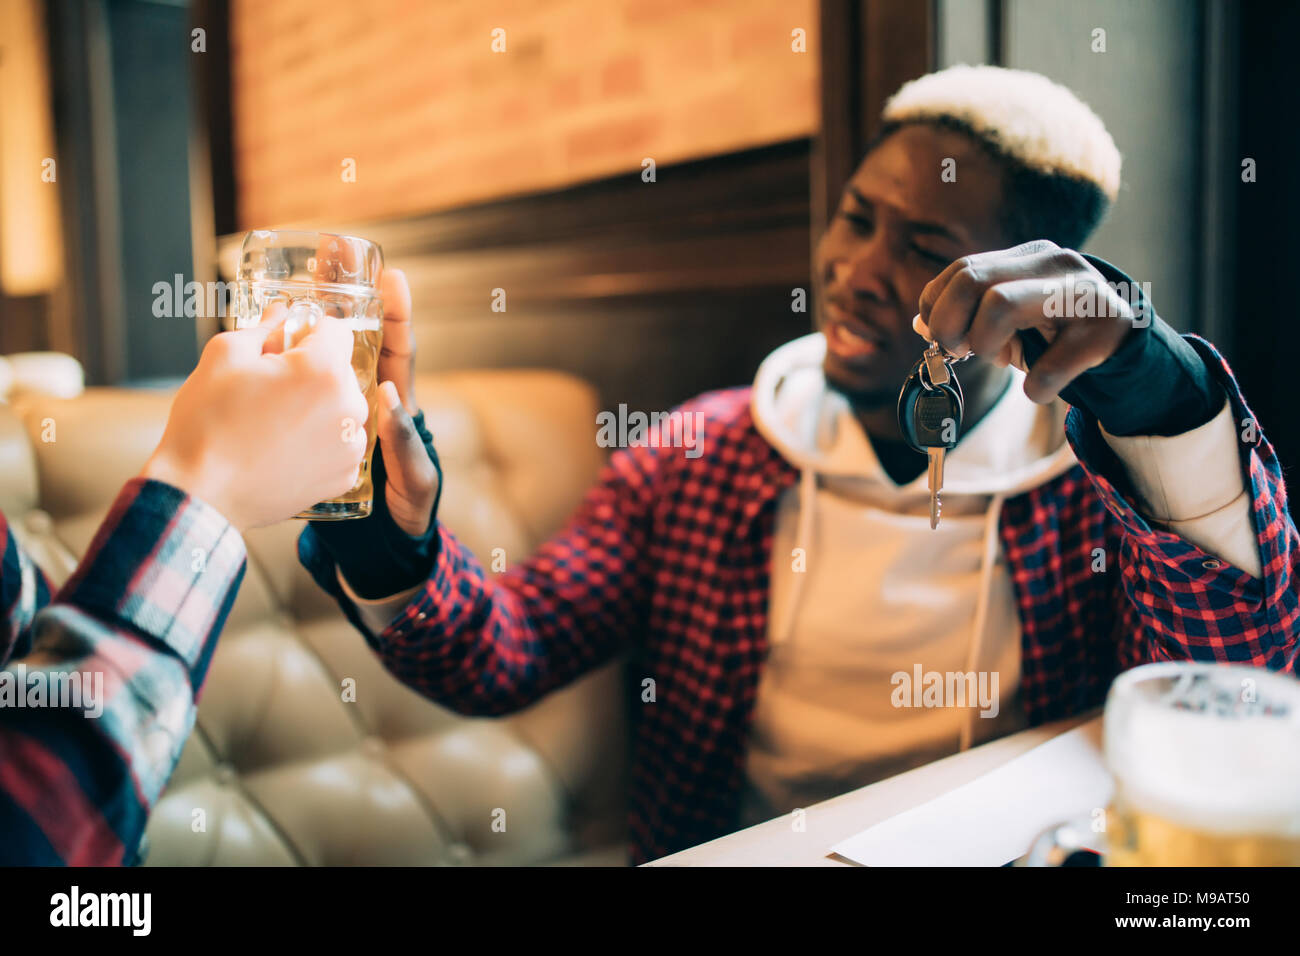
point(930, 416)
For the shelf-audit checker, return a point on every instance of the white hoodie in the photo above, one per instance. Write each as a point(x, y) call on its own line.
point(863, 589)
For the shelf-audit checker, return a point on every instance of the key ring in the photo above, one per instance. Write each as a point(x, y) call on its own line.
point(949, 357)
point(935, 362)
point(934, 369)
point(935, 344)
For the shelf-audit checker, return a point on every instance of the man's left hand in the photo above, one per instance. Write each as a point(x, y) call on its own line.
point(411, 481)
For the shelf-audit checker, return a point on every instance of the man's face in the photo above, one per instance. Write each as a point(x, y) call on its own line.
point(898, 225)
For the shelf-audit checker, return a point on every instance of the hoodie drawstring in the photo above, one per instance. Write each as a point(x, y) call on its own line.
point(802, 539)
point(991, 524)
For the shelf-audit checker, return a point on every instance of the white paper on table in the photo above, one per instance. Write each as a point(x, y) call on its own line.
point(993, 819)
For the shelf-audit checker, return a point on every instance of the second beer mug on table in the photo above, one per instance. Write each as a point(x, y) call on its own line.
point(1206, 764)
point(309, 275)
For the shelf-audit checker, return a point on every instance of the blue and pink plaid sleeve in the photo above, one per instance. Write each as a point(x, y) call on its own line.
point(93, 719)
point(1191, 604)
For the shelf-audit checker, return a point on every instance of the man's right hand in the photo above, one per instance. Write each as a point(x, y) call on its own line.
point(264, 436)
point(395, 546)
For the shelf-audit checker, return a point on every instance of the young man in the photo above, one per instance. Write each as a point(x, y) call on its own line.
point(784, 589)
point(109, 671)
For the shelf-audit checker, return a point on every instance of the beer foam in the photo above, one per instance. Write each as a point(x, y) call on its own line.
point(1231, 774)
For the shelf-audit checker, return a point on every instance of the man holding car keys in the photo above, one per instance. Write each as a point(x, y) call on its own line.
point(930, 404)
point(1101, 508)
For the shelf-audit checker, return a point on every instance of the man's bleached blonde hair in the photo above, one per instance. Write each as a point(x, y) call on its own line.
point(1063, 166)
point(1021, 114)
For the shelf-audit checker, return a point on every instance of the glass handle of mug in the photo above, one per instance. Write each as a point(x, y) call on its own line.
point(303, 316)
point(1071, 843)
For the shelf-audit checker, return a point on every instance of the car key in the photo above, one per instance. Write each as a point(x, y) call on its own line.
point(930, 408)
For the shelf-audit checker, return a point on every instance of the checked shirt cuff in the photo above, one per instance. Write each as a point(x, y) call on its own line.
point(1261, 478)
point(1192, 484)
point(376, 614)
point(166, 565)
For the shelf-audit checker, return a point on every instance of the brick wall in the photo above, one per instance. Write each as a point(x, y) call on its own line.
point(413, 93)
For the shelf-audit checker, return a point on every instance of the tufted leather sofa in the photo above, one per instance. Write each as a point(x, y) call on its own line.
point(283, 769)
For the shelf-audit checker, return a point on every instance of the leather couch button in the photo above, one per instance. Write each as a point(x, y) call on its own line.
point(374, 747)
point(224, 774)
point(458, 854)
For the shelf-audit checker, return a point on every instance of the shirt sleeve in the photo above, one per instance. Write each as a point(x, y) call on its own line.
point(93, 720)
point(1193, 486)
point(1178, 390)
point(1192, 604)
point(486, 646)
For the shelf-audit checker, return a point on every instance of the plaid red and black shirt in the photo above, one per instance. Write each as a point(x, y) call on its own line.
point(668, 558)
point(139, 620)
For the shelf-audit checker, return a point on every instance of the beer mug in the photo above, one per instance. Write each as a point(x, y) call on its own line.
point(307, 275)
point(1206, 764)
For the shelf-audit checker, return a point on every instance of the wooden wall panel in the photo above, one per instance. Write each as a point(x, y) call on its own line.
point(652, 291)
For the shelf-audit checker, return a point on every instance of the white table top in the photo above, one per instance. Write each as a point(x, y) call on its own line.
point(777, 843)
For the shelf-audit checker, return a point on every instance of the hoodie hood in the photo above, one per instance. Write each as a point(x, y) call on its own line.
point(1018, 445)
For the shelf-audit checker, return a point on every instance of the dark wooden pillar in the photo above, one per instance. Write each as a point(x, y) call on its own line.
point(213, 195)
point(869, 48)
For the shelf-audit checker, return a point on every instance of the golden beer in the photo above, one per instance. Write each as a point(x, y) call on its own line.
point(357, 502)
point(1138, 837)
